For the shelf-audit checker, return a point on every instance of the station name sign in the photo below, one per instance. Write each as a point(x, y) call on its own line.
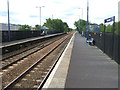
point(109, 19)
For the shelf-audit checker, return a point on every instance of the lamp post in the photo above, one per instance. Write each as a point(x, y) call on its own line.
point(40, 13)
point(8, 21)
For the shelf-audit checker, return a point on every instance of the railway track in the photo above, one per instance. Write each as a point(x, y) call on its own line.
point(17, 57)
point(21, 50)
point(35, 73)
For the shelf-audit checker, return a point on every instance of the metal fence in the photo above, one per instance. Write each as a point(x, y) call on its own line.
point(108, 43)
point(18, 35)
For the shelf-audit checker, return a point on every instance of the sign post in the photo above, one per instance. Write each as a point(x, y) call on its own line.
point(111, 19)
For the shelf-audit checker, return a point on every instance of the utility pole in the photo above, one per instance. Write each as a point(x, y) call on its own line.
point(8, 21)
point(87, 26)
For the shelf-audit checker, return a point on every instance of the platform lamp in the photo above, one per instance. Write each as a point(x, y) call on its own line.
point(40, 12)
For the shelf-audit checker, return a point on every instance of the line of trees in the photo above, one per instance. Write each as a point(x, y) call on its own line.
point(57, 25)
point(24, 28)
point(109, 27)
point(28, 28)
point(54, 25)
point(81, 25)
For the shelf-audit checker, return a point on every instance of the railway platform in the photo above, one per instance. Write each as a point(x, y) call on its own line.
point(6, 44)
point(83, 66)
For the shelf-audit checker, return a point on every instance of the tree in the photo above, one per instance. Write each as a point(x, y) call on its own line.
point(37, 27)
point(56, 25)
point(80, 25)
point(25, 28)
point(101, 27)
point(66, 27)
point(70, 29)
point(48, 24)
point(118, 28)
point(108, 28)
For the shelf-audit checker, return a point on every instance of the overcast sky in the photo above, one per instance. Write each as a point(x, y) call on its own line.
point(25, 11)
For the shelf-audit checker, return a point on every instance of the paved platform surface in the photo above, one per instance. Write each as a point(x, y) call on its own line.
point(88, 67)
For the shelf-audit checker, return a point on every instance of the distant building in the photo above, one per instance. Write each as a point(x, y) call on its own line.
point(13, 27)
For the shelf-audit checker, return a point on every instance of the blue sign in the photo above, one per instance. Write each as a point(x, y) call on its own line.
point(109, 19)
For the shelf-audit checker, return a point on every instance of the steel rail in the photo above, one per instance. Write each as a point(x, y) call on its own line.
point(49, 72)
point(27, 70)
point(6, 66)
point(25, 49)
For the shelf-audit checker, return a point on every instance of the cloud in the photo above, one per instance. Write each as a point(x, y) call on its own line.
point(33, 16)
point(69, 14)
point(57, 2)
point(4, 13)
point(25, 11)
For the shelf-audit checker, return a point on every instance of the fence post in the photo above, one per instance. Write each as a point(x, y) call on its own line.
point(113, 36)
point(104, 38)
